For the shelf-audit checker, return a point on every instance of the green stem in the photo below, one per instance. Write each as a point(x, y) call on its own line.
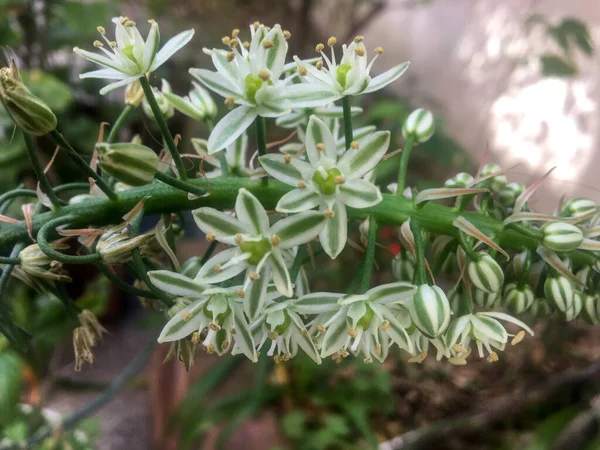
point(72, 187)
point(467, 247)
point(369, 255)
point(121, 283)
point(261, 141)
point(182, 185)
point(164, 129)
point(16, 193)
point(347, 121)
point(223, 164)
point(14, 255)
point(298, 261)
point(80, 162)
point(209, 251)
point(10, 260)
point(114, 131)
point(419, 276)
point(39, 173)
point(404, 157)
point(42, 238)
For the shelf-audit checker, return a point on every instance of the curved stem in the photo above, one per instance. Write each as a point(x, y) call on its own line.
point(261, 141)
point(348, 134)
point(121, 283)
point(114, 131)
point(178, 184)
point(369, 255)
point(10, 260)
point(39, 172)
point(80, 162)
point(17, 193)
point(419, 276)
point(404, 157)
point(468, 248)
point(42, 238)
point(164, 129)
point(72, 187)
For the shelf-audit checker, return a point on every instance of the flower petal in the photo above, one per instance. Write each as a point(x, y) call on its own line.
point(299, 228)
point(291, 120)
point(308, 95)
point(176, 284)
point(251, 212)
point(298, 200)
point(305, 342)
point(211, 272)
point(151, 46)
point(508, 318)
point(359, 134)
point(98, 59)
point(359, 193)
point(317, 133)
point(225, 68)
point(335, 112)
point(335, 337)
point(231, 127)
point(318, 302)
point(184, 323)
point(216, 83)
point(222, 225)
point(355, 164)
point(276, 166)
point(395, 330)
point(382, 80)
point(243, 335)
point(108, 74)
point(334, 234)
point(256, 292)
point(172, 45)
point(273, 56)
point(235, 154)
point(119, 84)
point(281, 275)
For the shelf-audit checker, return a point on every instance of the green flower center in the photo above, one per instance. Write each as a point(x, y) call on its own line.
point(258, 249)
point(128, 51)
point(365, 321)
point(327, 183)
point(221, 316)
point(280, 329)
point(341, 73)
point(253, 84)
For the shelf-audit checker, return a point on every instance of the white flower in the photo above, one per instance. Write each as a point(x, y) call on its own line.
point(485, 330)
point(352, 75)
point(249, 75)
point(257, 247)
point(361, 323)
point(130, 57)
point(327, 181)
point(235, 155)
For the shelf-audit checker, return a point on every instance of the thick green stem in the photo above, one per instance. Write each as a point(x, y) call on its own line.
point(261, 141)
point(39, 172)
point(80, 162)
point(164, 129)
point(369, 255)
point(347, 121)
point(44, 244)
point(121, 120)
point(404, 157)
point(161, 198)
point(419, 276)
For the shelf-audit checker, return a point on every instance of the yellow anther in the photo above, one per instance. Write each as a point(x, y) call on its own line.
point(458, 360)
point(418, 358)
point(186, 315)
point(359, 51)
point(287, 34)
point(235, 32)
point(287, 159)
point(230, 56)
point(384, 325)
point(210, 237)
point(214, 326)
point(358, 39)
point(113, 44)
point(210, 349)
point(254, 276)
point(229, 102)
point(493, 357)
point(331, 41)
point(352, 332)
point(246, 44)
point(378, 349)
point(301, 184)
point(239, 239)
point(329, 213)
point(224, 345)
point(129, 23)
point(319, 64)
point(98, 44)
point(264, 75)
point(368, 360)
point(233, 43)
point(266, 43)
point(124, 20)
point(240, 293)
point(304, 332)
point(354, 145)
point(195, 337)
point(277, 359)
point(321, 328)
point(275, 240)
point(151, 21)
point(459, 348)
point(225, 40)
point(233, 331)
point(302, 71)
point(518, 338)
point(287, 357)
point(273, 335)
point(319, 48)
point(379, 50)
point(217, 268)
point(256, 24)
point(320, 147)
point(101, 30)
point(344, 353)
point(340, 179)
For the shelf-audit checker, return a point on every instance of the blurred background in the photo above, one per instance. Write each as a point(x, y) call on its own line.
point(518, 77)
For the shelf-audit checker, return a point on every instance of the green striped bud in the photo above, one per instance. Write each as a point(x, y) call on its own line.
point(430, 310)
point(132, 164)
point(591, 308)
point(485, 299)
point(166, 108)
point(460, 180)
point(516, 299)
point(540, 308)
point(559, 291)
point(28, 112)
point(575, 309)
point(497, 183)
point(454, 298)
point(116, 248)
point(443, 251)
point(508, 195)
point(403, 266)
point(561, 237)
point(518, 263)
point(577, 207)
point(485, 273)
point(419, 125)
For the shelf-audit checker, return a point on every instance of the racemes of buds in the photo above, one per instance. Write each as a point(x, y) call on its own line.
point(578, 207)
point(132, 164)
point(27, 111)
point(485, 273)
point(85, 338)
point(561, 237)
point(495, 183)
point(518, 299)
point(419, 125)
point(560, 292)
point(403, 266)
point(460, 180)
point(508, 195)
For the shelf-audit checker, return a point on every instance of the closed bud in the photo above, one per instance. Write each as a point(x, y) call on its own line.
point(116, 248)
point(496, 183)
point(518, 299)
point(132, 164)
point(559, 292)
point(508, 195)
point(419, 125)
point(430, 310)
point(485, 300)
point(485, 273)
point(166, 108)
point(201, 99)
point(518, 263)
point(35, 263)
point(577, 207)
point(575, 309)
point(540, 308)
point(454, 299)
point(403, 266)
point(460, 180)
point(134, 94)
point(28, 112)
point(561, 237)
point(591, 308)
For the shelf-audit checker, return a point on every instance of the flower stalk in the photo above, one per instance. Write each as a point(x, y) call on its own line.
point(347, 121)
point(39, 172)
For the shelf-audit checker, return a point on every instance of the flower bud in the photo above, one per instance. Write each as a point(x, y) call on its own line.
point(430, 310)
point(508, 195)
point(419, 125)
point(485, 300)
point(443, 251)
point(27, 111)
point(460, 180)
point(129, 163)
point(485, 273)
point(201, 99)
point(518, 299)
point(518, 263)
point(561, 237)
point(575, 309)
point(559, 291)
point(166, 108)
point(577, 207)
point(35, 263)
point(116, 248)
point(134, 94)
point(540, 308)
point(403, 266)
point(497, 183)
point(591, 308)
point(454, 299)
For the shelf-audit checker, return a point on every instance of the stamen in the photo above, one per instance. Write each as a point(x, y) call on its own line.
point(275, 240)
point(254, 276)
point(230, 56)
point(246, 44)
point(214, 326)
point(233, 331)
point(229, 102)
point(233, 43)
point(354, 145)
point(129, 23)
point(287, 159)
point(320, 328)
point(360, 51)
point(225, 40)
point(458, 360)
point(320, 147)
point(379, 50)
point(302, 71)
point(378, 349)
point(459, 348)
point(358, 39)
point(319, 64)
point(224, 345)
point(287, 34)
point(352, 332)
point(98, 44)
point(123, 20)
point(273, 335)
point(240, 293)
point(368, 360)
point(493, 357)
point(195, 337)
point(186, 315)
point(264, 75)
point(277, 359)
point(112, 44)
point(101, 30)
point(518, 338)
point(340, 179)
point(151, 21)
point(384, 325)
point(235, 32)
point(301, 184)
point(331, 41)
point(256, 24)
point(344, 353)
point(239, 239)
point(418, 358)
point(210, 237)
point(217, 268)
point(304, 332)
point(329, 213)
point(210, 349)
point(319, 48)
point(266, 43)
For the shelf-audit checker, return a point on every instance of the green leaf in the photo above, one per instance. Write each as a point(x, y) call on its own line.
point(549, 430)
point(56, 94)
point(11, 380)
point(555, 66)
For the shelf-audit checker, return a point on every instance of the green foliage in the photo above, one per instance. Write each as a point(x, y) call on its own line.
point(549, 429)
point(11, 379)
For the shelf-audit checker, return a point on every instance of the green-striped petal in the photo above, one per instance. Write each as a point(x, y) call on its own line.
point(317, 303)
point(430, 310)
point(251, 212)
point(281, 275)
point(334, 234)
point(357, 163)
point(298, 228)
point(359, 193)
point(298, 200)
point(231, 127)
point(176, 284)
point(222, 225)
